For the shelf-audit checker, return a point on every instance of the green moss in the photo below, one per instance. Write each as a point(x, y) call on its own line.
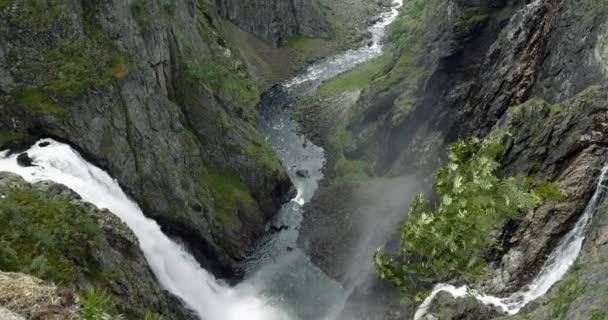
point(569, 289)
point(36, 101)
point(470, 17)
point(73, 67)
point(588, 9)
point(36, 15)
point(355, 79)
point(106, 144)
point(599, 314)
point(69, 69)
point(265, 156)
point(345, 169)
point(42, 236)
point(351, 170)
point(10, 137)
point(302, 42)
point(230, 196)
point(231, 86)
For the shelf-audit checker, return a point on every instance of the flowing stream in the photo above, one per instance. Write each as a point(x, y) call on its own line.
point(553, 270)
point(282, 283)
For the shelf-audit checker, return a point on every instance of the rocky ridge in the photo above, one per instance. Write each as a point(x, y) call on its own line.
point(110, 260)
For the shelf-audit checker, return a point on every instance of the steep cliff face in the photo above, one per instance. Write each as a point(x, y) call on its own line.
point(276, 21)
point(463, 74)
point(150, 91)
point(529, 65)
point(50, 233)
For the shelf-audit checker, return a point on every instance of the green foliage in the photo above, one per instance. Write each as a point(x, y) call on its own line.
point(98, 306)
point(472, 202)
point(41, 236)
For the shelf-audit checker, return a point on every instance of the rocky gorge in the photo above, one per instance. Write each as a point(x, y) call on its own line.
point(164, 96)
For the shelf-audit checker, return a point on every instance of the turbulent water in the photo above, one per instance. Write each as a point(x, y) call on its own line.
point(282, 283)
point(554, 269)
point(176, 269)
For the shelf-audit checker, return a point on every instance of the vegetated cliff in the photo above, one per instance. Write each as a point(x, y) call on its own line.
point(49, 233)
point(347, 22)
point(530, 65)
point(276, 21)
point(150, 91)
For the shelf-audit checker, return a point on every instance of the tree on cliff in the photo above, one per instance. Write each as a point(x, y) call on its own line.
point(472, 202)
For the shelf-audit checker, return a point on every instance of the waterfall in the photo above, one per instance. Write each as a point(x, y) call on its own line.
point(176, 270)
point(553, 270)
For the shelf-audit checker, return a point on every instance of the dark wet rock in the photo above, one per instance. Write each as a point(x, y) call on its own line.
point(446, 307)
point(44, 144)
point(303, 173)
point(275, 229)
point(24, 160)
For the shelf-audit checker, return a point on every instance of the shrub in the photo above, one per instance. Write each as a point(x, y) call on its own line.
point(98, 306)
point(472, 202)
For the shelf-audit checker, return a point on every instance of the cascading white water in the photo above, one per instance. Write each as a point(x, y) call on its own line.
point(176, 269)
point(553, 270)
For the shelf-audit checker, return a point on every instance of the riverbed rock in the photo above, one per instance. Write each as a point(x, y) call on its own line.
point(24, 160)
point(303, 173)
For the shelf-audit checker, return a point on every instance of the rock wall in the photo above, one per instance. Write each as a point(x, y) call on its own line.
point(150, 91)
point(276, 21)
point(529, 65)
